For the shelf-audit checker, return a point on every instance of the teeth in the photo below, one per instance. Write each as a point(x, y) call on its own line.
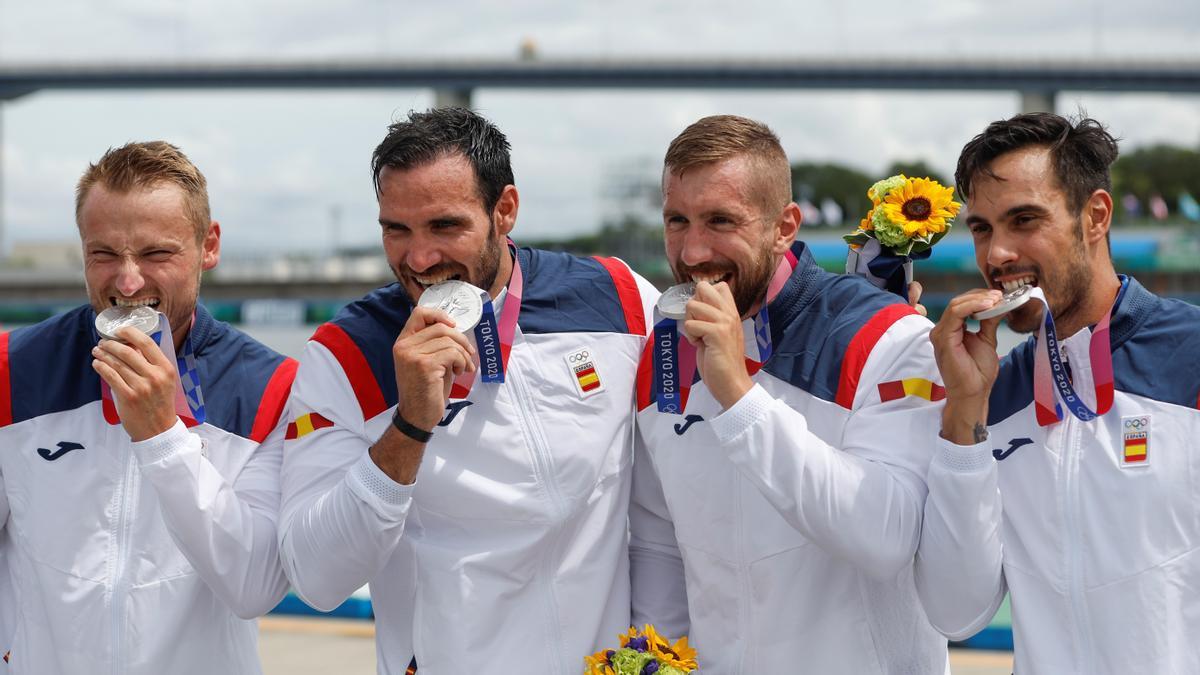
point(1013, 284)
point(710, 278)
point(145, 302)
point(431, 280)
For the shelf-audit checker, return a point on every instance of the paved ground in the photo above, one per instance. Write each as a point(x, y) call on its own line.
point(322, 646)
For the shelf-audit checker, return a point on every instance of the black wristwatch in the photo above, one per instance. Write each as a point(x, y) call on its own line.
point(415, 433)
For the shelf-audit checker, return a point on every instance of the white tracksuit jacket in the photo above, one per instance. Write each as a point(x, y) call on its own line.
point(138, 558)
point(794, 515)
point(508, 553)
point(1100, 553)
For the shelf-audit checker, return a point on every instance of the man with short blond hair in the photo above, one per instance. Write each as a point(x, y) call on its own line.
point(139, 474)
point(778, 504)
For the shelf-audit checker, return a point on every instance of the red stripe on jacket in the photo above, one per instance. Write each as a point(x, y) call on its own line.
point(6, 415)
point(270, 408)
point(855, 358)
point(627, 293)
point(354, 364)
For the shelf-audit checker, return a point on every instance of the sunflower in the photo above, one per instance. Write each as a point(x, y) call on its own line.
point(597, 664)
point(865, 224)
point(920, 207)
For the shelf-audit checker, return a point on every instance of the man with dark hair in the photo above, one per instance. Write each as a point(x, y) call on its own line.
point(139, 490)
point(477, 478)
point(778, 504)
point(1065, 472)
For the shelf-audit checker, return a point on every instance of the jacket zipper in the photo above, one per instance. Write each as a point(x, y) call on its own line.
point(124, 501)
point(536, 437)
point(1072, 454)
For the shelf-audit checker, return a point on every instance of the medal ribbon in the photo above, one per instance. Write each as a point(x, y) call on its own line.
point(494, 338)
point(675, 358)
point(1050, 372)
point(189, 396)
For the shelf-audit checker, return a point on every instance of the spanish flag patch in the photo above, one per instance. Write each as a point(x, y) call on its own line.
point(306, 424)
point(912, 386)
point(1136, 440)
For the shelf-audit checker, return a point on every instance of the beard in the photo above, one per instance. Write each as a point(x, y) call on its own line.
point(481, 273)
point(1066, 288)
point(748, 282)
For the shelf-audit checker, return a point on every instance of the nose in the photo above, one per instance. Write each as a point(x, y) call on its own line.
point(422, 255)
point(129, 278)
point(1002, 249)
point(696, 248)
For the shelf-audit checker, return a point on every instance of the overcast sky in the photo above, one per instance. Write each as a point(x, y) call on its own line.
point(289, 170)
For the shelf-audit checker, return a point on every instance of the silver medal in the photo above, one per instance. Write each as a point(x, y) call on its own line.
point(143, 318)
point(673, 302)
point(1011, 300)
point(462, 301)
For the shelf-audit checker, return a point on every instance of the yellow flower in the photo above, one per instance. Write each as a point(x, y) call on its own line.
point(920, 207)
point(597, 664)
point(866, 225)
point(679, 654)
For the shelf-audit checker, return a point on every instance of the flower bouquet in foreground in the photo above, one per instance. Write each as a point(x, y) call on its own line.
point(907, 217)
point(644, 653)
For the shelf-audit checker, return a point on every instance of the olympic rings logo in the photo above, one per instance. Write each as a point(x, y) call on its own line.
point(1137, 423)
point(579, 357)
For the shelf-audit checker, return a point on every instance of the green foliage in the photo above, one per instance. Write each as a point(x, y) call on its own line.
point(844, 185)
point(1165, 170)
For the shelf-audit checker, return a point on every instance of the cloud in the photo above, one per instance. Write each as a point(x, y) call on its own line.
point(288, 170)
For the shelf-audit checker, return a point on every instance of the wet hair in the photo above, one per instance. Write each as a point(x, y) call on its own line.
point(445, 132)
point(146, 165)
point(1081, 153)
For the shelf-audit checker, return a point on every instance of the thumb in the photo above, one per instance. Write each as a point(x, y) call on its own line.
point(988, 328)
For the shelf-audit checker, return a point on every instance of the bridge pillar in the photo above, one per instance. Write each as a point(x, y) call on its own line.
point(1038, 101)
point(459, 97)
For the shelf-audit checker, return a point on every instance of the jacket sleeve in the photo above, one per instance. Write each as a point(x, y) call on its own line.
point(655, 565)
point(226, 530)
point(342, 517)
point(863, 499)
point(958, 572)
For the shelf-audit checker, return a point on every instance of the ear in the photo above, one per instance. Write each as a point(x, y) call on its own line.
point(1097, 216)
point(211, 247)
point(505, 214)
point(786, 228)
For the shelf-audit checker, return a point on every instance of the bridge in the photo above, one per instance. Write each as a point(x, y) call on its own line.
point(1037, 79)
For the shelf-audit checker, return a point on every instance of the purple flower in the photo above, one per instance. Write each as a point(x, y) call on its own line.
point(650, 668)
point(638, 644)
point(609, 654)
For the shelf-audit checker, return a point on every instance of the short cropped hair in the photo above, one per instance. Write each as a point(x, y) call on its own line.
point(444, 132)
point(1081, 153)
point(722, 137)
point(145, 165)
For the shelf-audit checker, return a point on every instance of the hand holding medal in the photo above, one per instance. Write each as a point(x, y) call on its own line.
point(432, 349)
point(712, 324)
point(143, 379)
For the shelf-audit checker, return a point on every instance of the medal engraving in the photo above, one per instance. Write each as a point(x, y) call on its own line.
point(459, 299)
point(113, 319)
point(672, 304)
point(1011, 300)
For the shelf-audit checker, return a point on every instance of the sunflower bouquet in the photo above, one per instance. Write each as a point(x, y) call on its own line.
point(907, 217)
point(643, 653)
